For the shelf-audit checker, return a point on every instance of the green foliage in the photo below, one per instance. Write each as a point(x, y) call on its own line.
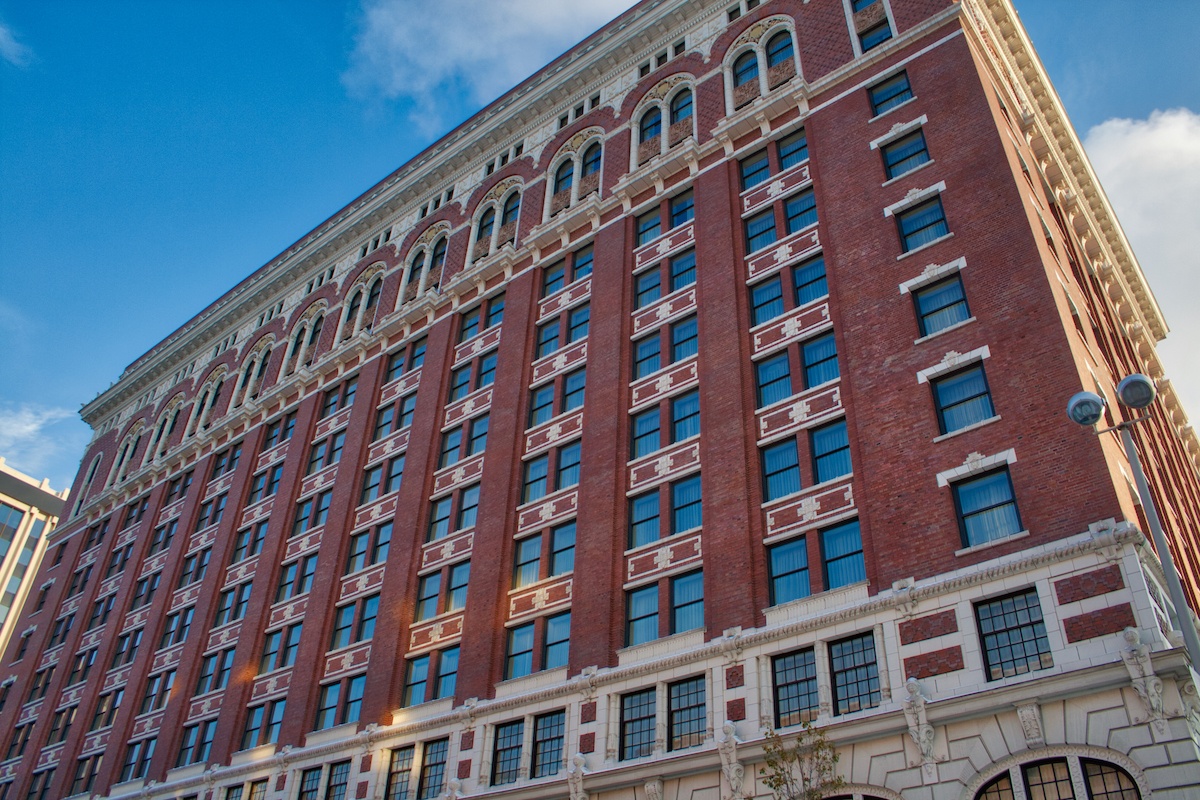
point(803, 769)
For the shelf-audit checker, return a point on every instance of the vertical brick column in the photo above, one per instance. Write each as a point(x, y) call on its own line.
point(314, 639)
point(385, 679)
point(483, 639)
point(733, 560)
point(597, 606)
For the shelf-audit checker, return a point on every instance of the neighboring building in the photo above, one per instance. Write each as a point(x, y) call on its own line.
point(709, 382)
point(28, 512)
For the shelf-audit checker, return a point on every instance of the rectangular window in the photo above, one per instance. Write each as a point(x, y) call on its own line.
point(558, 641)
point(788, 563)
point(468, 509)
point(137, 760)
point(941, 305)
point(415, 681)
point(197, 743)
point(231, 604)
point(795, 678)
point(399, 773)
point(439, 518)
point(537, 474)
point(645, 431)
point(684, 339)
point(820, 360)
point(195, 566)
point(830, 447)
point(854, 674)
point(547, 338)
point(549, 732)
point(279, 431)
point(1013, 635)
point(433, 769)
point(528, 562)
point(755, 170)
point(809, 280)
point(568, 466)
point(801, 211)
point(279, 649)
point(646, 360)
point(637, 724)
point(686, 505)
point(766, 301)
point(904, 154)
point(987, 509)
point(339, 398)
point(577, 323)
point(841, 549)
point(890, 93)
point(177, 627)
point(562, 549)
point(760, 231)
point(683, 209)
point(686, 715)
point(683, 270)
point(647, 288)
point(641, 608)
point(339, 781)
point(781, 470)
point(519, 661)
point(922, 224)
point(263, 723)
point(774, 379)
point(685, 416)
point(506, 757)
point(649, 225)
point(541, 405)
point(962, 399)
point(643, 519)
point(793, 149)
point(687, 602)
point(310, 783)
point(573, 388)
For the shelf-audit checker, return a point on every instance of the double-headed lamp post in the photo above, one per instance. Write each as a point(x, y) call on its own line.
point(1087, 409)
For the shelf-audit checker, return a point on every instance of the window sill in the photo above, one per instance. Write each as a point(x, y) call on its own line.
point(925, 246)
point(254, 754)
point(967, 551)
point(533, 682)
point(912, 99)
point(946, 329)
point(329, 735)
point(817, 604)
point(971, 427)
point(674, 644)
point(902, 175)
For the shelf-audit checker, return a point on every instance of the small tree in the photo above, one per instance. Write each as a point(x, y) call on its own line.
point(805, 769)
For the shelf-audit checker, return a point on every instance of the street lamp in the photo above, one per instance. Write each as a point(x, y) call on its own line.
point(1087, 409)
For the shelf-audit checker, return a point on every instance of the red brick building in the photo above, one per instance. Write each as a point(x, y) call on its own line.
point(709, 382)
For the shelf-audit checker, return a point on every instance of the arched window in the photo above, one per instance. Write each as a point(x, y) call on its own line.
point(779, 49)
point(314, 338)
point(651, 125)
point(296, 347)
point(350, 321)
point(436, 262)
point(564, 176)
point(745, 69)
point(372, 300)
point(591, 160)
point(512, 206)
point(1053, 778)
point(681, 106)
point(486, 223)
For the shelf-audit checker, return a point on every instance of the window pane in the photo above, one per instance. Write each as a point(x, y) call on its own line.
point(795, 688)
point(766, 301)
point(941, 305)
point(962, 399)
point(781, 470)
point(842, 549)
point(831, 452)
point(686, 504)
point(855, 674)
point(987, 508)
point(642, 615)
point(687, 602)
point(1014, 635)
point(788, 563)
point(774, 379)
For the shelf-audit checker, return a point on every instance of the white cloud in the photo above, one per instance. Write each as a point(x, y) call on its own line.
point(11, 50)
point(409, 49)
point(42, 442)
point(1150, 170)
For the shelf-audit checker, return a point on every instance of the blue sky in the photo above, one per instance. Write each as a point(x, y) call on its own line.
point(154, 153)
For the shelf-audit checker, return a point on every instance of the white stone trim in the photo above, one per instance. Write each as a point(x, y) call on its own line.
point(898, 130)
point(914, 197)
point(952, 361)
point(932, 274)
point(974, 464)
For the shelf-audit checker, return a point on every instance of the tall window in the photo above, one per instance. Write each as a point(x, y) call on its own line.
point(506, 756)
point(637, 724)
point(854, 674)
point(686, 714)
point(745, 69)
point(1013, 635)
point(650, 126)
point(795, 683)
point(987, 509)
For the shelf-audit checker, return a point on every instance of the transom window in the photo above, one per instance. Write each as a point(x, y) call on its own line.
point(1054, 779)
